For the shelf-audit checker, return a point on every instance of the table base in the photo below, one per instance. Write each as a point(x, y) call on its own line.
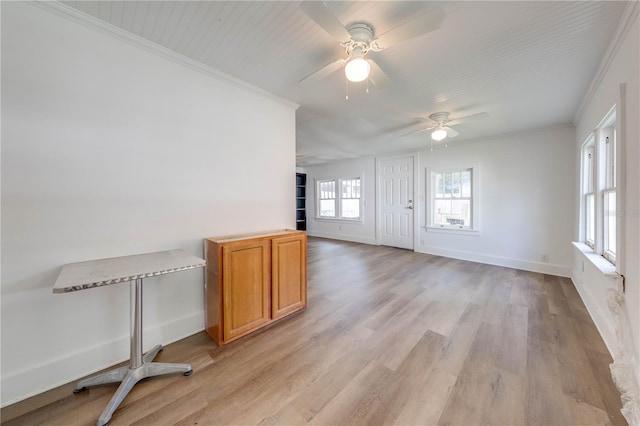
point(129, 377)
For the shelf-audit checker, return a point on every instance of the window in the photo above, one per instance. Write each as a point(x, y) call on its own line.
point(609, 194)
point(588, 173)
point(450, 202)
point(598, 188)
point(327, 198)
point(350, 198)
point(339, 199)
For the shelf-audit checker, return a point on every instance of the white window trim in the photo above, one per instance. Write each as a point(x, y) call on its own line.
point(608, 183)
point(591, 141)
point(474, 229)
point(359, 220)
point(597, 137)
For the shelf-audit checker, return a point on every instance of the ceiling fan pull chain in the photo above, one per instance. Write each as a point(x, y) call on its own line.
point(367, 90)
point(346, 88)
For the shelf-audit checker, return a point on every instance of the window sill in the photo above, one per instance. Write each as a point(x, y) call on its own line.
point(607, 268)
point(337, 220)
point(453, 231)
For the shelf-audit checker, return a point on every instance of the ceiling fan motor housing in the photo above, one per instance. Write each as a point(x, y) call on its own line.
point(440, 117)
point(361, 35)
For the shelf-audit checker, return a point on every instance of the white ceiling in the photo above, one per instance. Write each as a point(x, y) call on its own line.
point(527, 64)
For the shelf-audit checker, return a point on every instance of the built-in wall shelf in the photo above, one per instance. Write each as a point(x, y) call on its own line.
point(301, 202)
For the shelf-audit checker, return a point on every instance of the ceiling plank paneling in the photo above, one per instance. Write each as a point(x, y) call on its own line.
point(527, 63)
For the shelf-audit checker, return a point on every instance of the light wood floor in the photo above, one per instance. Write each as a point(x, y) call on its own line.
point(389, 337)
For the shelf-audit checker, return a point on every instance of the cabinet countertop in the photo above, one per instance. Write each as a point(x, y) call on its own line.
point(227, 238)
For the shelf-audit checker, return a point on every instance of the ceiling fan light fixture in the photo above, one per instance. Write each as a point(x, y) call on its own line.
point(438, 134)
point(357, 69)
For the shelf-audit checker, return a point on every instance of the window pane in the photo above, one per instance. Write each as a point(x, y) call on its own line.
point(346, 188)
point(465, 178)
point(588, 169)
point(448, 182)
point(590, 218)
point(439, 178)
point(350, 188)
point(451, 199)
point(328, 189)
point(441, 212)
point(452, 212)
point(350, 208)
point(610, 161)
point(455, 184)
point(610, 222)
point(327, 208)
point(460, 213)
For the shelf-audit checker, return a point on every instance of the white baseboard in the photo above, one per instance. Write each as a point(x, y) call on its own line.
point(34, 380)
point(343, 237)
point(525, 265)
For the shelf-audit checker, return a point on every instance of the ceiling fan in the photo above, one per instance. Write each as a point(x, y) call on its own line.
point(358, 40)
point(440, 124)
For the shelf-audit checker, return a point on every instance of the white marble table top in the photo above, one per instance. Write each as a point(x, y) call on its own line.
point(97, 273)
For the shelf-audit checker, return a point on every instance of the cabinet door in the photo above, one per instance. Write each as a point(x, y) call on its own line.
point(289, 276)
point(246, 287)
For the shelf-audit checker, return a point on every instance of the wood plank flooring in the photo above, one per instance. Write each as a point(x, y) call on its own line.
point(389, 337)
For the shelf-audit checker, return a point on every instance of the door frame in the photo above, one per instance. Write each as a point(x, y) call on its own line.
point(417, 201)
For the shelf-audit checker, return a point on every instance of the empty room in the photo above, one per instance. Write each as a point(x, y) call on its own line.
point(330, 213)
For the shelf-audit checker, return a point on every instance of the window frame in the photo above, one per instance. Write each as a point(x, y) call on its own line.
point(338, 181)
point(430, 175)
point(342, 197)
point(608, 141)
point(320, 198)
point(589, 191)
point(598, 180)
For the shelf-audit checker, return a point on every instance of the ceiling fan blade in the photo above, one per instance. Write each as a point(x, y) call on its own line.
point(378, 77)
point(427, 120)
point(450, 132)
point(321, 15)
point(418, 131)
point(469, 117)
point(323, 72)
point(425, 23)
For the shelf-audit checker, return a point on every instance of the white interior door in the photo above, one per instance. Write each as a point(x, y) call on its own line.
point(396, 202)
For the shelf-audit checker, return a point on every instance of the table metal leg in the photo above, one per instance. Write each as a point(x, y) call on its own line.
point(140, 367)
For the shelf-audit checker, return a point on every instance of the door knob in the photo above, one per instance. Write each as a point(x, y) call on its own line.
point(409, 207)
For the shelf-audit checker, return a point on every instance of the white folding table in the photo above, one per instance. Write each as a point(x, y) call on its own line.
point(97, 273)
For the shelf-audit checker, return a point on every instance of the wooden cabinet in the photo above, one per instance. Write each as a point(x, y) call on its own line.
point(253, 280)
point(288, 275)
point(245, 287)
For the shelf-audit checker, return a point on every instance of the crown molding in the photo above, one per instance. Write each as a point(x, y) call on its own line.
point(629, 16)
point(91, 22)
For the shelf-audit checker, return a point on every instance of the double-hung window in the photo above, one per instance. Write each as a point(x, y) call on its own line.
point(589, 196)
point(327, 199)
point(608, 137)
point(451, 198)
point(339, 199)
point(598, 187)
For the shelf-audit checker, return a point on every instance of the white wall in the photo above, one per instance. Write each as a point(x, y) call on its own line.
point(623, 68)
point(364, 232)
point(109, 149)
point(526, 200)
